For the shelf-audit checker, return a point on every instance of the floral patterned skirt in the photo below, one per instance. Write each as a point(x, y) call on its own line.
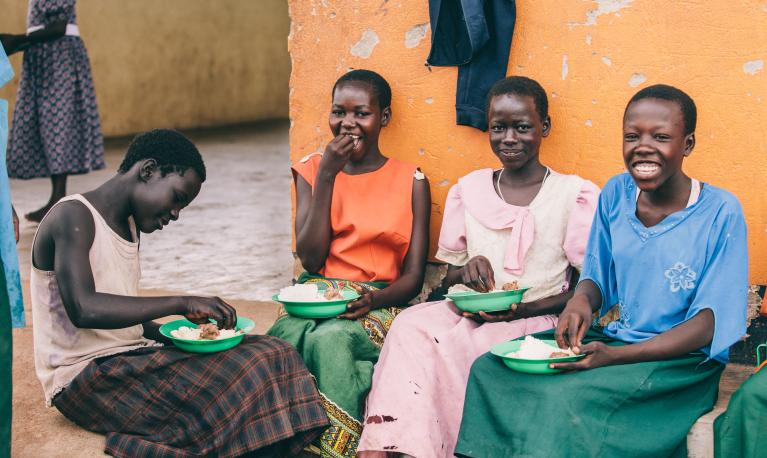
point(341, 355)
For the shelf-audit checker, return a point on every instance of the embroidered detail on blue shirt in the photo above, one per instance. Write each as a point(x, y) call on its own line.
point(680, 276)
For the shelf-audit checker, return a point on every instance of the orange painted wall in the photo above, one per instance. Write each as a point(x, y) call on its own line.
point(591, 56)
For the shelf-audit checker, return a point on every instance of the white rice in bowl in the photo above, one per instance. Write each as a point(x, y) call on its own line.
point(187, 333)
point(300, 293)
point(532, 348)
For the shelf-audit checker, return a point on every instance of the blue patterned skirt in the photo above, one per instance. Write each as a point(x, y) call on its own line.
point(55, 126)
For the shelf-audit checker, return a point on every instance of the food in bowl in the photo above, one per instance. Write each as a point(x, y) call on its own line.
point(532, 348)
point(309, 293)
point(461, 288)
point(208, 331)
point(299, 293)
point(510, 286)
point(333, 294)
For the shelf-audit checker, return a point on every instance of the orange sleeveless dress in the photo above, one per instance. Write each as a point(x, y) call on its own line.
point(371, 218)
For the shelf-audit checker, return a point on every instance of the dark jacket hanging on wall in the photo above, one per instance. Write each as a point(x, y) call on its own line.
point(474, 35)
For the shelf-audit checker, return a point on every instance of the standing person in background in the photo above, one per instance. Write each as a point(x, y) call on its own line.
point(56, 130)
point(11, 304)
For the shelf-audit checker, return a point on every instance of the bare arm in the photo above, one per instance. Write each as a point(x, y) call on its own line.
point(13, 43)
point(410, 283)
point(313, 230)
point(50, 32)
point(692, 335)
point(70, 233)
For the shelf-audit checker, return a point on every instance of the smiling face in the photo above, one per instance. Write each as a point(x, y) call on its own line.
point(516, 130)
point(654, 142)
point(355, 112)
point(158, 199)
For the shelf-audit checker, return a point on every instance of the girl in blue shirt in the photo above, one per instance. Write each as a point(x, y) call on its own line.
point(671, 254)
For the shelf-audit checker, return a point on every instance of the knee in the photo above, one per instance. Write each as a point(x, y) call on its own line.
point(333, 334)
point(408, 323)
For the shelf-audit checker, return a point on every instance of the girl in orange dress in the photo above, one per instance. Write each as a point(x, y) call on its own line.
point(363, 218)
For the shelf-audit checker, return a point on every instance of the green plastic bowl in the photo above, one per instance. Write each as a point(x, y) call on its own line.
point(206, 346)
point(529, 366)
point(318, 309)
point(473, 301)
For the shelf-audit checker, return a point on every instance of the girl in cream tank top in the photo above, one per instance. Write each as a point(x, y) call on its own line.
point(62, 350)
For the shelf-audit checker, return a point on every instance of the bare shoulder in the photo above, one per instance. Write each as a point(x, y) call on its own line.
point(68, 218)
point(70, 224)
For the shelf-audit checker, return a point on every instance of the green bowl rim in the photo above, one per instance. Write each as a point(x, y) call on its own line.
point(163, 331)
point(494, 350)
point(490, 295)
point(354, 296)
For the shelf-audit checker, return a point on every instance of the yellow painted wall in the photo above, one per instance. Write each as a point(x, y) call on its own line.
point(178, 63)
point(591, 56)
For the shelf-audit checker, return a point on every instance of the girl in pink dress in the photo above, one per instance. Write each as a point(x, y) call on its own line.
point(523, 223)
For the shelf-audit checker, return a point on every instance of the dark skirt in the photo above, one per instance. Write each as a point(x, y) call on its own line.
point(55, 126)
point(630, 410)
point(256, 398)
point(741, 431)
point(6, 358)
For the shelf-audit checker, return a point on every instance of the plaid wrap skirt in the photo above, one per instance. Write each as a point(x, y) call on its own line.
point(256, 399)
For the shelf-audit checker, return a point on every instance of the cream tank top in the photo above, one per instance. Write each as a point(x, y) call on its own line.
point(62, 350)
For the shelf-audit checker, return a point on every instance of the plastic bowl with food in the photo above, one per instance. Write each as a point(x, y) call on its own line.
point(535, 361)
point(495, 301)
point(186, 335)
point(310, 301)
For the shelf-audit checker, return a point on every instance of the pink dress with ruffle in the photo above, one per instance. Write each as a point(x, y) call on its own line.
point(417, 396)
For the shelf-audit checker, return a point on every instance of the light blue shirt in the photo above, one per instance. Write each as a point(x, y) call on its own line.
point(7, 238)
point(695, 259)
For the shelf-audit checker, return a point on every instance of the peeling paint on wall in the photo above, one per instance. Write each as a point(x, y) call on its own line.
point(565, 66)
point(364, 48)
point(604, 7)
point(710, 68)
point(429, 100)
point(752, 67)
point(414, 36)
point(637, 79)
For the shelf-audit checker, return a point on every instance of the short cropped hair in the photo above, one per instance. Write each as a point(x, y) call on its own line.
point(523, 86)
point(172, 151)
point(380, 87)
point(672, 94)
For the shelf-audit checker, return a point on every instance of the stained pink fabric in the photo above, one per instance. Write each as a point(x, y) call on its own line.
point(428, 353)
